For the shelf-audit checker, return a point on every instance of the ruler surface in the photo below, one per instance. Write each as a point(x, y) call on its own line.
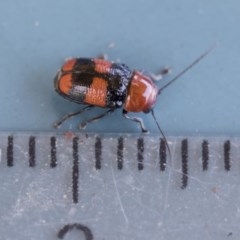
point(86, 186)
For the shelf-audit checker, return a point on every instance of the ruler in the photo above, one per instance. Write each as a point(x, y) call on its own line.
point(109, 186)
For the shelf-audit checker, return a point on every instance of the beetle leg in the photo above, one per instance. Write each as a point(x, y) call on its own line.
point(84, 124)
point(102, 56)
point(135, 119)
point(161, 74)
point(70, 115)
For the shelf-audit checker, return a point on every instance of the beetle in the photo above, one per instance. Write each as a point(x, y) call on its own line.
point(98, 82)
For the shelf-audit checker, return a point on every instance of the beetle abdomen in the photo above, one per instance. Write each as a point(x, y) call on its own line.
point(93, 81)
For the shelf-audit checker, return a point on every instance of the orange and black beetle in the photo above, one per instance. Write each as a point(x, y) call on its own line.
point(98, 82)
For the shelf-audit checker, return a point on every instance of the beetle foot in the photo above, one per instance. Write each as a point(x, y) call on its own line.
point(82, 125)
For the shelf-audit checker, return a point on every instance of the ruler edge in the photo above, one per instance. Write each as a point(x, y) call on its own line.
point(117, 135)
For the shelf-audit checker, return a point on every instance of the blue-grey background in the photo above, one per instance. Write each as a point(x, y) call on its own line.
point(36, 37)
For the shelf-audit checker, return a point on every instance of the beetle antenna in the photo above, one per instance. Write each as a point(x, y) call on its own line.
point(188, 67)
point(160, 130)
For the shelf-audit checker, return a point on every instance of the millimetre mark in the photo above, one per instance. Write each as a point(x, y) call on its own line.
point(140, 150)
point(75, 170)
point(184, 151)
point(98, 153)
point(32, 152)
point(10, 151)
point(205, 155)
point(162, 155)
point(227, 148)
point(120, 153)
point(53, 162)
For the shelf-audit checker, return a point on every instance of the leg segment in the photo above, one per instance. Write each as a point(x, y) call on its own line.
point(161, 74)
point(84, 124)
point(70, 115)
point(138, 120)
